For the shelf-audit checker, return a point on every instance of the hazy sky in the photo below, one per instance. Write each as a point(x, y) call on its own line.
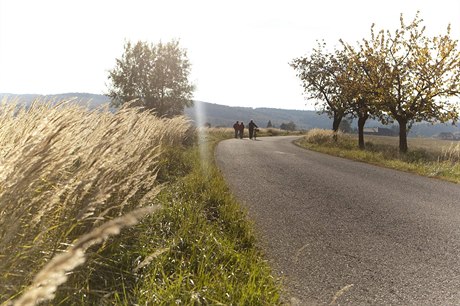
point(239, 49)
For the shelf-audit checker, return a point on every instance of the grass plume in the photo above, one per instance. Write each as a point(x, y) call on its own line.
point(65, 169)
point(55, 271)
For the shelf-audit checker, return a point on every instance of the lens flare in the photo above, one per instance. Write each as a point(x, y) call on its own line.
point(202, 130)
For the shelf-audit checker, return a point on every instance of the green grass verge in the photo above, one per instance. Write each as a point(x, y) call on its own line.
point(423, 161)
point(199, 249)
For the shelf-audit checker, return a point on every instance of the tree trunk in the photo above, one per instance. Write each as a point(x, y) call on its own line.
point(335, 125)
point(402, 136)
point(361, 122)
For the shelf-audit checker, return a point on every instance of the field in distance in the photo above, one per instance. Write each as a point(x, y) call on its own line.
point(436, 146)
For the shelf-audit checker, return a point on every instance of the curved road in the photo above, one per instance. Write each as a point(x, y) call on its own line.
point(347, 233)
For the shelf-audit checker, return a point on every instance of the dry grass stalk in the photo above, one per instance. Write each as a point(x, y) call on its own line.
point(452, 153)
point(320, 136)
point(150, 258)
point(63, 169)
point(54, 273)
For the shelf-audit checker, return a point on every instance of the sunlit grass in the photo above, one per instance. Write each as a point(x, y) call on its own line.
point(211, 257)
point(71, 179)
point(64, 171)
point(426, 157)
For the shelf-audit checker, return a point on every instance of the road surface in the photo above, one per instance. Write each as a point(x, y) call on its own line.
point(341, 232)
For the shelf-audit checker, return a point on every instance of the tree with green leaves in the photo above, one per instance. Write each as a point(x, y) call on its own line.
point(421, 75)
point(288, 126)
point(320, 73)
point(269, 124)
point(363, 81)
point(156, 76)
point(354, 91)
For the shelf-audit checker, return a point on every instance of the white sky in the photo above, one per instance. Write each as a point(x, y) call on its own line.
point(239, 49)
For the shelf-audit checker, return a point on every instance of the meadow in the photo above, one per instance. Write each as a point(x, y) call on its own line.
point(125, 208)
point(426, 156)
point(434, 145)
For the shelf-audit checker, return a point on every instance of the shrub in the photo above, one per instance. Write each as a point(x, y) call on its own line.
point(272, 131)
point(326, 137)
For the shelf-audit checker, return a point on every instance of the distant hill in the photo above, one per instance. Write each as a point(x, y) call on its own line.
point(424, 129)
point(94, 100)
point(224, 116)
point(215, 114)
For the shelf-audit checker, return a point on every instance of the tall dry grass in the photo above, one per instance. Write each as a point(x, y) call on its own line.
point(451, 153)
point(327, 137)
point(64, 171)
point(319, 136)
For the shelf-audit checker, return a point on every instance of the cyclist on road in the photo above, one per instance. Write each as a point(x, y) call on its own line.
point(251, 127)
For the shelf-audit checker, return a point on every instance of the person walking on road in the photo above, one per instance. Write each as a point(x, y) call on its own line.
point(241, 129)
point(236, 127)
point(251, 127)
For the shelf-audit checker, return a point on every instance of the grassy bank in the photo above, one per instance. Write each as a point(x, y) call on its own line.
point(210, 254)
point(75, 189)
point(426, 157)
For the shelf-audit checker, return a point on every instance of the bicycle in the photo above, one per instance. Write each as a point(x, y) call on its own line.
point(255, 134)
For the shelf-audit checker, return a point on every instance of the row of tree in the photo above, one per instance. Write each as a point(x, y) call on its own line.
point(290, 126)
point(404, 76)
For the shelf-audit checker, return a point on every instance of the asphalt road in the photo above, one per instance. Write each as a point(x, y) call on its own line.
point(347, 233)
